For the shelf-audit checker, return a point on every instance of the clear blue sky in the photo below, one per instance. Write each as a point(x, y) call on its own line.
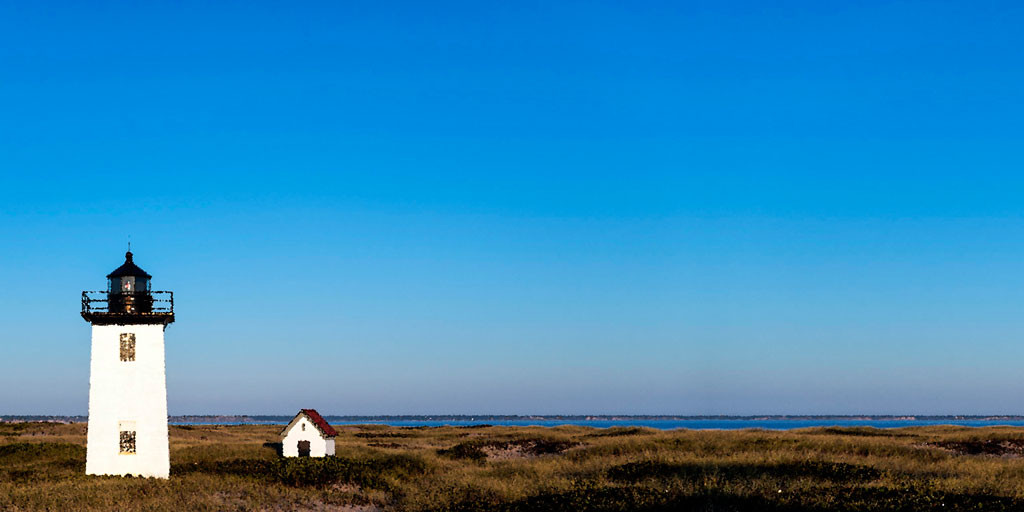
point(550, 207)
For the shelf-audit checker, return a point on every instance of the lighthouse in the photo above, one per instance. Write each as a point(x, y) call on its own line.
point(127, 383)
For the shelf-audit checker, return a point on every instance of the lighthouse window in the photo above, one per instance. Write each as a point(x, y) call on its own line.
point(127, 346)
point(127, 441)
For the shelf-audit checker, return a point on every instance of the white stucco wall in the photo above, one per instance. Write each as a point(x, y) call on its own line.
point(124, 392)
point(318, 445)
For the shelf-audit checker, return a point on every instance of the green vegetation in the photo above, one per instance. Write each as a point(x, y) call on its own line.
point(532, 468)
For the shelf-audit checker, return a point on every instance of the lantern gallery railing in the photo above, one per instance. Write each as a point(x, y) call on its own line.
point(127, 303)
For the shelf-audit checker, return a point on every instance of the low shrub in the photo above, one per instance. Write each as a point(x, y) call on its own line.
point(859, 432)
point(314, 471)
point(622, 431)
point(479, 450)
point(374, 435)
point(997, 447)
point(13, 429)
point(15, 453)
point(835, 471)
point(623, 499)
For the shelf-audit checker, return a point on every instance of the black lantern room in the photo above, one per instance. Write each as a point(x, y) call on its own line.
point(128, 299)
point(128, 288)
point(128, 278)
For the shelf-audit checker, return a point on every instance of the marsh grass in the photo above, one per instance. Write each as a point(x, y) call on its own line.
point(533, 468)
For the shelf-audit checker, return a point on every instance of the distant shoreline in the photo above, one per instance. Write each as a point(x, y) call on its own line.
point(260, 418)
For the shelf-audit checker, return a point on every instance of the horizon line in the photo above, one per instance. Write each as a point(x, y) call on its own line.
point(3, 417)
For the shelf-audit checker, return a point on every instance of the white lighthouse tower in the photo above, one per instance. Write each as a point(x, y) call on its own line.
point(127, 384)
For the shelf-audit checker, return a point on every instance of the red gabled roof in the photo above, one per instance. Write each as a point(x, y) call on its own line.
point(320, 422)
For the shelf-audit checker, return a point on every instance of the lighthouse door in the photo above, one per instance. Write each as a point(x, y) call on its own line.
point(303, 448)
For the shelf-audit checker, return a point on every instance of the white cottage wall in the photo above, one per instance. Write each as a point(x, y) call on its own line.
point(121, 392)
point(318, 446)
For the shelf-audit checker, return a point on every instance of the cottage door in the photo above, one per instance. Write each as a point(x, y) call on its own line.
point(303, 448)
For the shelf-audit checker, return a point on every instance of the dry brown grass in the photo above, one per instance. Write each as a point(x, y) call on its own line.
point(533, 468)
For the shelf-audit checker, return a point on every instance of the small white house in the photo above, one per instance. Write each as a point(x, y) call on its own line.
point(308, 435)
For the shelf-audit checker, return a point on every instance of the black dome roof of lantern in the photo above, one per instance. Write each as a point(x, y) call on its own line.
point(128, 269)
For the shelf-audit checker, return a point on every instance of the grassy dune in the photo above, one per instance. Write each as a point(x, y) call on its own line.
point(533, 468)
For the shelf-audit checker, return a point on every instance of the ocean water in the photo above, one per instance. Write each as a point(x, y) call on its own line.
point(668, 424)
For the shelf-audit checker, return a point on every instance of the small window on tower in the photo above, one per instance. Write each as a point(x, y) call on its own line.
point(303, 427)
point(127, 441)
point(127, 346)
